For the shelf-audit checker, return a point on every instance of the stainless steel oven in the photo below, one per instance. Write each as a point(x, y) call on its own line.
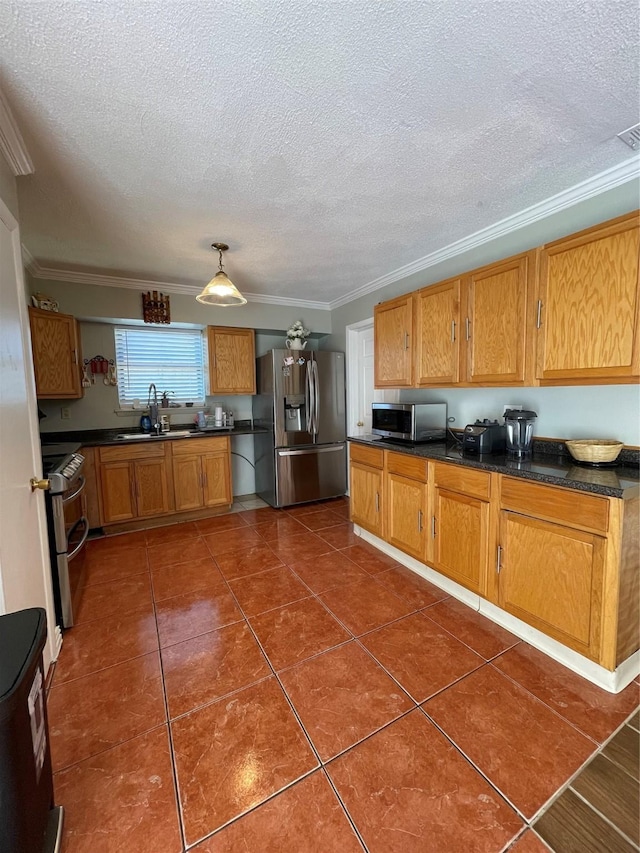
point(68, 528)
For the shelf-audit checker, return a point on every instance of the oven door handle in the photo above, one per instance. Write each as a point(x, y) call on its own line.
point(67, 498)
point(81, 520)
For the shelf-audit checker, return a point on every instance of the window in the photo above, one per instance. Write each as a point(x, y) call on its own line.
point(173, 359)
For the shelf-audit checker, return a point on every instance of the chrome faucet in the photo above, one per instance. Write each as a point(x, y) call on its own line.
point(153, 410)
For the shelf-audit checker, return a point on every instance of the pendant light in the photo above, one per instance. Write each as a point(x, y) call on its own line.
point(221, 290)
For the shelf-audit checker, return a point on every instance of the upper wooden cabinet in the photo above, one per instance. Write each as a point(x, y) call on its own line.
point(55, 343)
point(232, 360)
point(437, 324)
point(393, 334)
point(587, 313)
point(495, 347)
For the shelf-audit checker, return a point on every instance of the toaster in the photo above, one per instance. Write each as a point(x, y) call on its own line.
point(484, 437)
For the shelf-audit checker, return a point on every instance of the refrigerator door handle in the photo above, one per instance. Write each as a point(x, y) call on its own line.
point(308, 397)
point(316, 396)
point(334, 448)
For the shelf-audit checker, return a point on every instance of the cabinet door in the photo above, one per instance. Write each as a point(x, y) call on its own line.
point(459, 531)
point(217, 479)
point(188, 482)
point(232, 360)
point(405, 515)
point(551, 577)
point(117, 491)
point(56, 354)
point(494, 323)
point(152, 492)
point(392, 343)
point(366, 497)
point(437, 346)
point(588, 306)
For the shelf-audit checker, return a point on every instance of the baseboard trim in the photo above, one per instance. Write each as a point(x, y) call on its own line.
point(612, 682)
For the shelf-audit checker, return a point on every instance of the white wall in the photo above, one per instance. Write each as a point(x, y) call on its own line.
point(603, 411)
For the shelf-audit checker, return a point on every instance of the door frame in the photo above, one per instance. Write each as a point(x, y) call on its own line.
point(41, 573)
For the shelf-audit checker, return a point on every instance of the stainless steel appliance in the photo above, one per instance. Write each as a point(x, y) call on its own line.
point(301, 401)
point(519, 426)
point(484, 437)
point(414, 422)
point(68, 526)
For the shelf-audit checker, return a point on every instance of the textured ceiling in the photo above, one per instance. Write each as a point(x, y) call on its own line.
point(329, 143)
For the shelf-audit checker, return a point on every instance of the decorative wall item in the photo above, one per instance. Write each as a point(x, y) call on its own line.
point(156, 307)
point(41, 300)
point(297, 335)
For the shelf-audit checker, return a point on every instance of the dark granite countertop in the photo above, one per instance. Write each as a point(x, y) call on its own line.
point(100, 437)
point(550, 463)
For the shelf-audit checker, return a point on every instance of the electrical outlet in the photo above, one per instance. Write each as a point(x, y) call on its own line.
point(516, 406)
point(65, 413)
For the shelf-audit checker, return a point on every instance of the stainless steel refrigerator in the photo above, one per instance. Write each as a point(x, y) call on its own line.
point(301, 402)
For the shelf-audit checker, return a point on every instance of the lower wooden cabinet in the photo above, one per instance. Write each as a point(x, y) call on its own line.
point(365, 479)
point(460, 525)
point(563, 561)
point(202, 473)
point(406, 513)
point(550, 576)
point(133, 482)
point(162, 478)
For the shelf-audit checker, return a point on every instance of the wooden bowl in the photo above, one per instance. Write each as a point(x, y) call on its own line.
point(594, 449)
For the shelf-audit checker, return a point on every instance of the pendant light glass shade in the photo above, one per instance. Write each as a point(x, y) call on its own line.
point(221, 290)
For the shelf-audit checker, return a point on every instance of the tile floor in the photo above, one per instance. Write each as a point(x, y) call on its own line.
point(265, 681)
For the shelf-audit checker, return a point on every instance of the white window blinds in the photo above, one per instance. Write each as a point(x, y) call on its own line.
point(173, 359)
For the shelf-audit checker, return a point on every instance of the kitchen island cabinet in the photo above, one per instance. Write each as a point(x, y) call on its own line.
point(202, 473)
point(55, 343)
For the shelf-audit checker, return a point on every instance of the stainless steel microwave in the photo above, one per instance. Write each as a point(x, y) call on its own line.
point(415, 422)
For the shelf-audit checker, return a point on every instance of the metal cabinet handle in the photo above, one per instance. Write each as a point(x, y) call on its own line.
point(499, 559)
point(75, 356)
point(539, 314)
point(467, 328)
point(453, 331)
point(419, 521)
point(377, 502)
point(433, 527)
point(406, 340)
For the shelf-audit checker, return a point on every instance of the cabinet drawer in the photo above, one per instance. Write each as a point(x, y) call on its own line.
point(576, 509)
point(125, 452)
point(465, 480)
point(366, 455)
point(407, 466)
point(197, 446)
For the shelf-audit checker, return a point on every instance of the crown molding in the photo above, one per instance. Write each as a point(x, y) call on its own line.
point(100, 280)
point(623, 173)
point(11, 141)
